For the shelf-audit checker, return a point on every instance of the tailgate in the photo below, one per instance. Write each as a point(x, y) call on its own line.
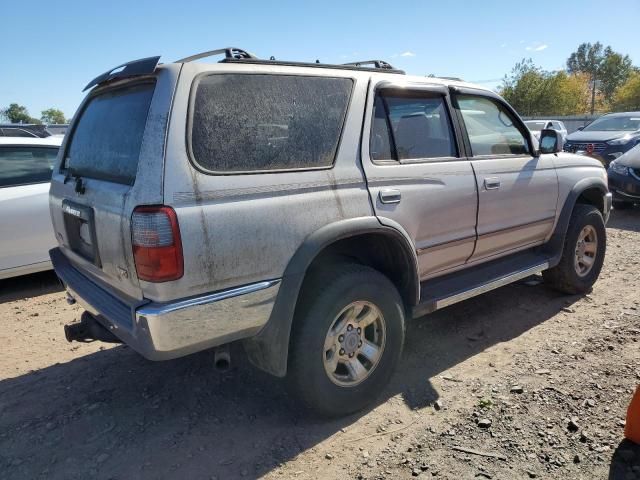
point(111, 161)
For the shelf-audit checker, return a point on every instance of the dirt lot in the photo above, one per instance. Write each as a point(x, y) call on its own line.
point(537, 380)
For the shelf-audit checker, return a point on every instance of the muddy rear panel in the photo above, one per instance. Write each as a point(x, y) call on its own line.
point(111, 161)
point(271, 164)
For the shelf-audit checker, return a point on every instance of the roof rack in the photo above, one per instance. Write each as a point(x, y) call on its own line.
point(376, 64)
point(238, 55)
point(457, 79)
point(230, 53)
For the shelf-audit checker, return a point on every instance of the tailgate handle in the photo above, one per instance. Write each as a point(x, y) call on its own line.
point(390, 195)
point(79, 188)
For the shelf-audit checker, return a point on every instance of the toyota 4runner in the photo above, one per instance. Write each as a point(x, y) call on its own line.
point(308, 210)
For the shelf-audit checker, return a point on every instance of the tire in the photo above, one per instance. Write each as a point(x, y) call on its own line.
point(619, 205)
point(332, 297)
point(565, 277)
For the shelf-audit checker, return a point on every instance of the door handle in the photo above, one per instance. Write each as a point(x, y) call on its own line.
point(491, 183)
point(390, 195)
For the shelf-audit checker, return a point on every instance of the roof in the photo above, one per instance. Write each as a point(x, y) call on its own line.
point(53, 141)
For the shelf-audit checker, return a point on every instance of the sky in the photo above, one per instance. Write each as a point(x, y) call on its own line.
point(51, 50)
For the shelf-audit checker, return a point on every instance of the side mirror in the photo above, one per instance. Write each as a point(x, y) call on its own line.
point(549, 141)
point(580, 128)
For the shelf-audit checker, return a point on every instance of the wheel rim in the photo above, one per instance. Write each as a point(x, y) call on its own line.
point(354, 344)
point(586, 250)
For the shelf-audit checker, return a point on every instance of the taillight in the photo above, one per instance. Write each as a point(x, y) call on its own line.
point(157, 248)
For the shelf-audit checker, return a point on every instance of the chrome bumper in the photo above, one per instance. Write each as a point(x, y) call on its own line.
point(161, 331)
point(608, 205)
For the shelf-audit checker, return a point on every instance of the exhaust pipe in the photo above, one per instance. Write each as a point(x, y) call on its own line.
point(222, 358)
point(88, 330)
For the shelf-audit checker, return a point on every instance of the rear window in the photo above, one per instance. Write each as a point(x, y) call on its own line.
point(248, 123)
point(106, 141)
point(26, 165)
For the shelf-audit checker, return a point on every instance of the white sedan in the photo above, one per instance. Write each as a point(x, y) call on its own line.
point(536, 126)
point(26, 234)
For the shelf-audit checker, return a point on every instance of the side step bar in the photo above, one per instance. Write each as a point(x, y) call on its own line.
point(456, 287)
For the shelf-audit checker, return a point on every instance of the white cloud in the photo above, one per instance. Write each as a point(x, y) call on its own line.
point(502, 45)
point(407, 54)
point(537, 47)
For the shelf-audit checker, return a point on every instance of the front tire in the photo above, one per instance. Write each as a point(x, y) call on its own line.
point(347, 339)
point(583, 253)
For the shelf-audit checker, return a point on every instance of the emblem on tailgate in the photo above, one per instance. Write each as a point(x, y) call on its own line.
point(71, 211)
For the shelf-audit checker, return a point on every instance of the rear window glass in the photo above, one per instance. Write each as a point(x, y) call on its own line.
point(267, 122)
point(25, 165)
point(106, 141)
point(416, 125)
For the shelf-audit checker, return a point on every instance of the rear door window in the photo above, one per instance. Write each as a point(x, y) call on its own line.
point(411, 126)
point(105, 143)
point(250, 123)
point(26, 165)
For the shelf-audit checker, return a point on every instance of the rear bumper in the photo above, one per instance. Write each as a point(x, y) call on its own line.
point(161, 331)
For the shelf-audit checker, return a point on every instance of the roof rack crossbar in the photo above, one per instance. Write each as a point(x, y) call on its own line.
point(229, 53)
point(376, 63)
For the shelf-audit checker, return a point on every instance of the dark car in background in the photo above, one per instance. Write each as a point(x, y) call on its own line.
point(607, 137)
point(624, 179)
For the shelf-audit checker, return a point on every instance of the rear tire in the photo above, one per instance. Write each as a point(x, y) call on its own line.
point(583, 253)
point(347, 339)
point(620, 205)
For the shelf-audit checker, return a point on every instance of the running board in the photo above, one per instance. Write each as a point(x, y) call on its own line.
point(462, 285)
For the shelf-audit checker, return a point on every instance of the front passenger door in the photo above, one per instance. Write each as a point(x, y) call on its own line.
point(517, 191)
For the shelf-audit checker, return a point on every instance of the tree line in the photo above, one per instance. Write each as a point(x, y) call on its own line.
point(15, 113)
point(596, 80)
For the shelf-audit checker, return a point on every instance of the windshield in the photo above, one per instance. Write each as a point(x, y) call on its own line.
point(535, 126)
point(614, 124)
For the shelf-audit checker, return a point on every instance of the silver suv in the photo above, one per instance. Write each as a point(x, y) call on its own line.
point(308, 210)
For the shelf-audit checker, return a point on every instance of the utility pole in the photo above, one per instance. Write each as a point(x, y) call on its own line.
point(593, 92)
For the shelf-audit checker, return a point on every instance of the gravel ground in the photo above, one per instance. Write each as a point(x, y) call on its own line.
point(519, 383)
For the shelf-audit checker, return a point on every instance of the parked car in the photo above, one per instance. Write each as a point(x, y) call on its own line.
point(536, 126)
point(624, 179)
point(26, 235)
point(57, 129)
point(26, 130)
point(32, 130)
point(606, 138)
point(309, 210)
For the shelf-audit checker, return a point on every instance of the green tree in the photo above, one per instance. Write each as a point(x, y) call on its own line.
point(18, 114)
point(627, 97)
point(523, 88)
point(533, 91)
point(52, 115)
point(607, 69)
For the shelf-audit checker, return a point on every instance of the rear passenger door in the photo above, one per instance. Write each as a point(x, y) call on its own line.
point(517, 191)
point(418, 179)
point(26, 234)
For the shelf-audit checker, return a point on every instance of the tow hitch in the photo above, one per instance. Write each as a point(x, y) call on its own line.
point(89, 330)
